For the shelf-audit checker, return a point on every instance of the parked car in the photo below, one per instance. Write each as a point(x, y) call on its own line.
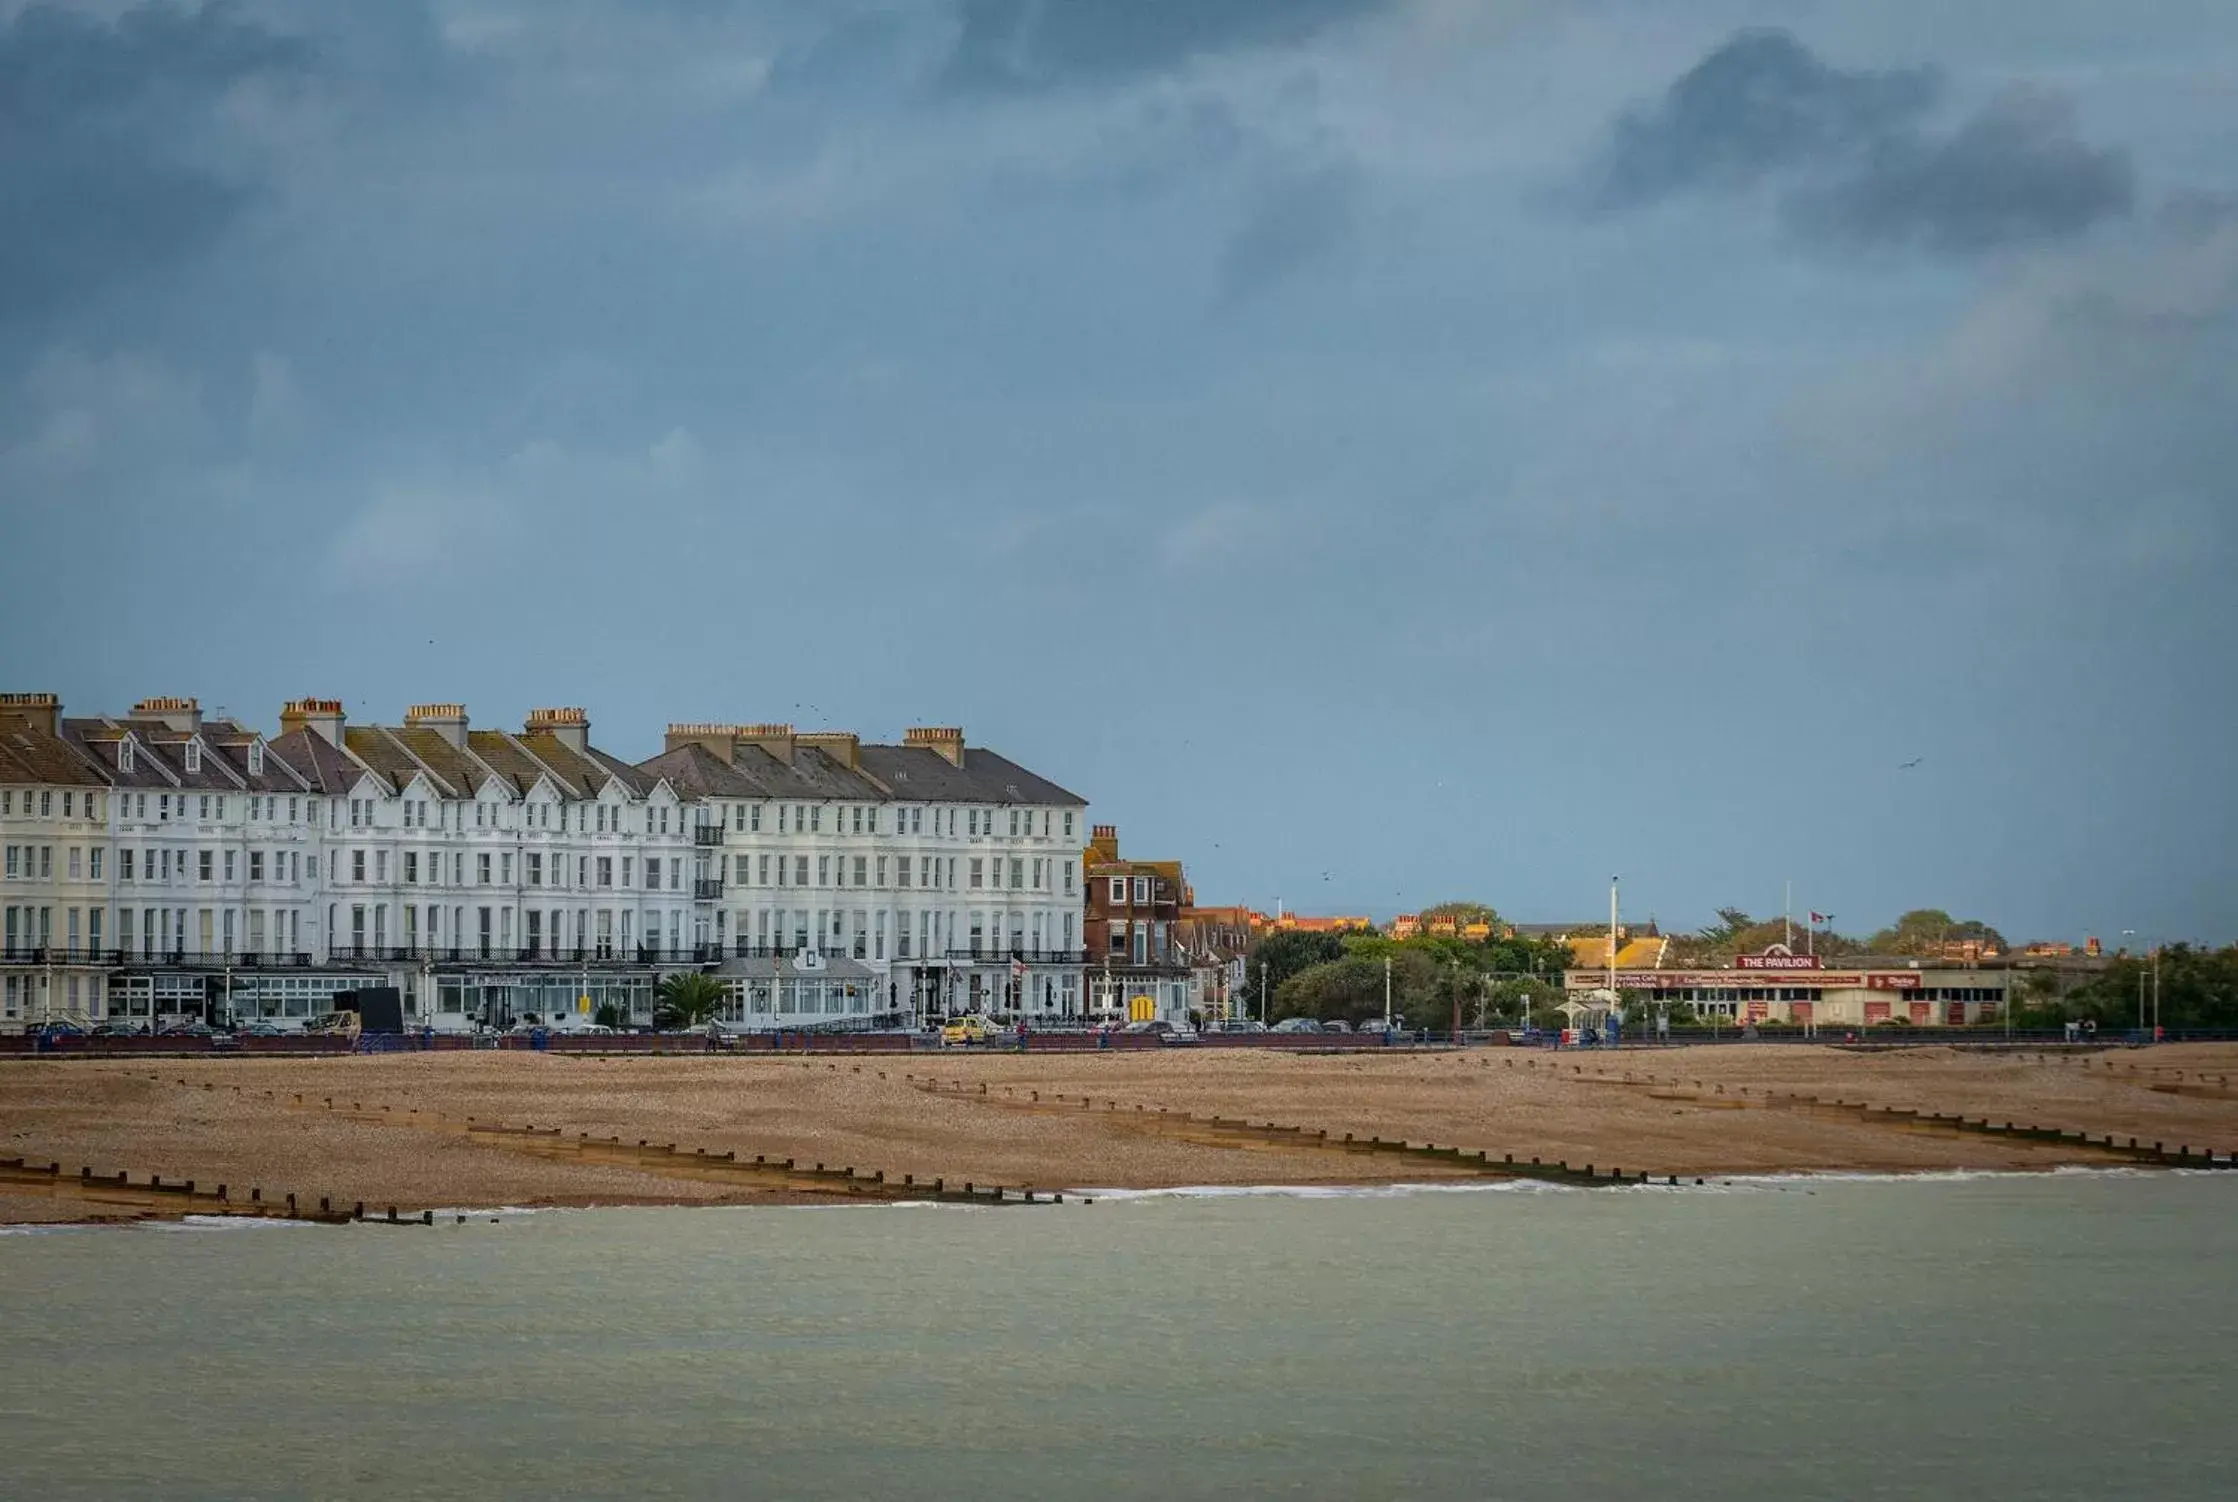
point(1297, 1025)
point(1336, 1025)
point(187, 1030)
point(1242, 1025)
point(261, 1029)
point(117, 1027)
point(962, 1031)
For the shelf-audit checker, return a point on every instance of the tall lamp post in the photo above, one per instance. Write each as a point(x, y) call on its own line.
point(2131, 933)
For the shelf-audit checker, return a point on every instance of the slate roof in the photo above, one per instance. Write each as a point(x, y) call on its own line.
point(320, 763)
point(510, 764)
point(160, 761)
point(29, 755)
point(452, 770)
point(277, 776)
point(582, 773)
point(381, 754)
point(919, 774)
point(815, 776)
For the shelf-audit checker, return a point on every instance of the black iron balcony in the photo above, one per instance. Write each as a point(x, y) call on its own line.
point(707, 889)
point(990, 955)
point(707, 834)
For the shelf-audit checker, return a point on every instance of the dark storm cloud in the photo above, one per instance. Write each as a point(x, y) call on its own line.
point(1758, 104)
point(95, 180)
point(2014, 173)
point(1851, 160)
point(1007, 44)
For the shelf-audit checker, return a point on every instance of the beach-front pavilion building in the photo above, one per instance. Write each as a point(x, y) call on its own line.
point(1807, 990)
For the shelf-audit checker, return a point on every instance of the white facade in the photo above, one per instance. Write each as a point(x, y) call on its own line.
point(157, 864)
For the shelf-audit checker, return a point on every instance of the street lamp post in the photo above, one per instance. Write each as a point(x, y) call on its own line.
point(2131, 933)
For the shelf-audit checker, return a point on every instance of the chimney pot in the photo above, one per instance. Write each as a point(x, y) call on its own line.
point(948, 740)
point(322, 717)
point(843, 746)
point(570, 726)
point(182, 715)
point(446, 720)
point(37, 712)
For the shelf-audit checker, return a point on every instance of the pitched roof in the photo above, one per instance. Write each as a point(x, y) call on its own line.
point(381, 754)
point(919, 774)
point(813, 775)
point(582, 773)
point(326, 767)
point(512, 766)
point(160, 761)
point(696, 772)
point(30, 755)
point(454, 773)
point(277, 776)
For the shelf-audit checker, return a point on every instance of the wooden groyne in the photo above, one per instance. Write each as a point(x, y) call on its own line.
point(1237, 1132)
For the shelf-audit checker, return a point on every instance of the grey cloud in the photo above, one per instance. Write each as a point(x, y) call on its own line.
point(1851, 160)
point(2014, 173)
point(1298, 219)
point(1010, 44)
point(2195, 215)
point(1760, 103)
point(93, 119)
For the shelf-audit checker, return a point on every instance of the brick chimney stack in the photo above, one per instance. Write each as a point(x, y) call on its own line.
point(182, 715)
point(322, 717)
point(842, 746)
point(446, 720)
point(948, 740)
point(39, 713)
point(570, 727)
point(721, 739)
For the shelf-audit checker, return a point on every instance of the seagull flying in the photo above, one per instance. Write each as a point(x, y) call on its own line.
point(1907, 766)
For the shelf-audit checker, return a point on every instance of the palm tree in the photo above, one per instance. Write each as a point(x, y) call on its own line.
point(689, 998)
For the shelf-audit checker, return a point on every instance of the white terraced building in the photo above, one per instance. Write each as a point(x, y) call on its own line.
point(950, 873)
point(160, 865)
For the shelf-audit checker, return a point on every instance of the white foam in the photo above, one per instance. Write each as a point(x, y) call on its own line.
point(1328, 1191)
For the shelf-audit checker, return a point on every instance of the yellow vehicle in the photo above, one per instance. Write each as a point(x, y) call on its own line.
point(333, 1025)
point(965, 1030)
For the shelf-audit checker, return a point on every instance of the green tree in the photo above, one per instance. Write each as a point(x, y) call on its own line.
point(2198, 988)
point(687, 999)
point(1343, 989)
point(1280, 955)
point(1924, 931)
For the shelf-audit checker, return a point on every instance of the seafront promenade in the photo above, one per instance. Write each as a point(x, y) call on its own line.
point(468, 1130)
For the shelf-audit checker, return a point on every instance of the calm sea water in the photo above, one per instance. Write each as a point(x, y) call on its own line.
point(2060, 1337)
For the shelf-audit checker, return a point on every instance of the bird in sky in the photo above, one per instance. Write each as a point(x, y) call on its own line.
point(1907, 766)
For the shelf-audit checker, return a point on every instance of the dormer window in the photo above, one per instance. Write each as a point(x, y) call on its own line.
point(194, 756)
point(256, 758)
point(124, 755)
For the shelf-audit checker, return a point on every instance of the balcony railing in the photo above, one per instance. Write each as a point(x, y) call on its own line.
point(707, 889)
point(990, 955)
point(212, 959)
point(707, 834)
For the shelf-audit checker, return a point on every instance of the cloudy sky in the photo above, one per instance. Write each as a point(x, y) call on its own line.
point(1376, 450)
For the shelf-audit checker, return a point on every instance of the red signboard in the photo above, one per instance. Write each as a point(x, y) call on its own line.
point(1771, 960)
point(1679, 980)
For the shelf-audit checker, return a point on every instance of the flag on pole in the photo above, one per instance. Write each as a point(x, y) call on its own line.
point(1018, 969)
point(1818, 917)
